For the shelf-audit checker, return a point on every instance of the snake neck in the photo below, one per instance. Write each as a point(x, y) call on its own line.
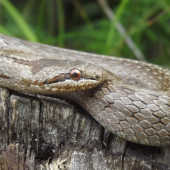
point(134, 115)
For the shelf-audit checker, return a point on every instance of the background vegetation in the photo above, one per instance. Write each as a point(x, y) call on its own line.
point(89, 26)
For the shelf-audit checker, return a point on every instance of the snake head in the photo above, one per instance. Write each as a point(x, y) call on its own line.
point(78, 78)
point(67, 76)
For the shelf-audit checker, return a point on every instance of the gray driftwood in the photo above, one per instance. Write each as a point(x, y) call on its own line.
point(42, 133)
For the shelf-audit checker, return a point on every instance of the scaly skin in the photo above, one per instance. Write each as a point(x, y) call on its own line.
point(130, 98)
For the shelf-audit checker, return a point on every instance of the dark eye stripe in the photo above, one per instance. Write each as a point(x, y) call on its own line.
point(55, 79)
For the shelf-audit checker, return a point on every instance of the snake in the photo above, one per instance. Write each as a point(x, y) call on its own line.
point(129, 98)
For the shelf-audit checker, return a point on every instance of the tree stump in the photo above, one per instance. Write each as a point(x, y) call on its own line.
point(44, 133)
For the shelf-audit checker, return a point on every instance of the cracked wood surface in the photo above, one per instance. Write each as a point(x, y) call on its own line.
point(38, 132)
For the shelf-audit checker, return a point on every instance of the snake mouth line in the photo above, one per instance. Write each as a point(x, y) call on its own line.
point(66, 86)
point(64, 77)
point(60, 84)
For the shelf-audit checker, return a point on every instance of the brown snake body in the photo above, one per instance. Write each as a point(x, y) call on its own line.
point(129, 98)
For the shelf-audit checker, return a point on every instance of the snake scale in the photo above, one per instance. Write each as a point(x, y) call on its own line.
point(129, 98)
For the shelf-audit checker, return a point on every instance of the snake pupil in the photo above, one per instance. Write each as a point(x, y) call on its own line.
point(75, 74)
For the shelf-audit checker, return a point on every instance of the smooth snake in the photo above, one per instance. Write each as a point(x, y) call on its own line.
point(129, 98)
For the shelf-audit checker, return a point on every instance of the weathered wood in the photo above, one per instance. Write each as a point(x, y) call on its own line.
point(38, 132)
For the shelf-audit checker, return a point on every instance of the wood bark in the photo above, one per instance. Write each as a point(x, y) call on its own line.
point(43, 133)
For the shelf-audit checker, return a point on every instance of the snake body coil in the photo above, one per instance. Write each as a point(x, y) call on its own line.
point(129, 98)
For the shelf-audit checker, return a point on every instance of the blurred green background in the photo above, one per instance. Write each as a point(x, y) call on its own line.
point(89, 26)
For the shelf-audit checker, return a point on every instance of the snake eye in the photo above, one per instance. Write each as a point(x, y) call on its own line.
point(75, 74)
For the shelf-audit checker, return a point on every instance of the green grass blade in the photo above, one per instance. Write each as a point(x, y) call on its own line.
point(111, 32)
point(19, 20)
point(61, 24)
